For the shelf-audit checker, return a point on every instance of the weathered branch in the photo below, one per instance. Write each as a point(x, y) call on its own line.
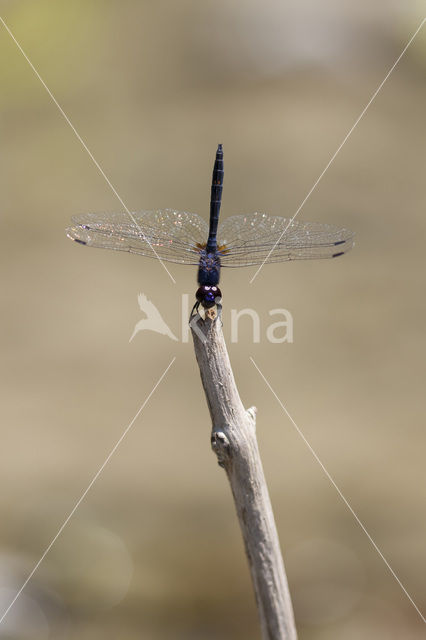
point(234, 442)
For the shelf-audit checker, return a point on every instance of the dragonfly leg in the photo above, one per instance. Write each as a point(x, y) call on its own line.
point(194, 308)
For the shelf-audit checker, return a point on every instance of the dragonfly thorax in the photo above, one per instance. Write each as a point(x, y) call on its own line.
point(208, 268)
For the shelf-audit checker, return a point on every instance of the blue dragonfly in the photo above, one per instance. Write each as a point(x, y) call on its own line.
point(185, 238)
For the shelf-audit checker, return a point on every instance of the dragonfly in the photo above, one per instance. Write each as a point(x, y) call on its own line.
point(186, 238)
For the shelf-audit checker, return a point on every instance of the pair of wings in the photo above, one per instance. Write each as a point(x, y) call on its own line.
point(243, 240)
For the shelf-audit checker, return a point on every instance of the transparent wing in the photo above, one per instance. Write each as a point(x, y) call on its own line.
point(256, 238)
point(168, 234)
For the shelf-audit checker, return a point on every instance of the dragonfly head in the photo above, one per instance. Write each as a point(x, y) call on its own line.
point(208, 296)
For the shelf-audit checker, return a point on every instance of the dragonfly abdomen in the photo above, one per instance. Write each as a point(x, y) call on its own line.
point(216, 199)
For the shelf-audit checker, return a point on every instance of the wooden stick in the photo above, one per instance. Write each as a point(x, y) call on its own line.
point(234, 442)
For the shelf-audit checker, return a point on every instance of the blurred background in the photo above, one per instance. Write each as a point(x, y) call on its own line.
point(154, 550)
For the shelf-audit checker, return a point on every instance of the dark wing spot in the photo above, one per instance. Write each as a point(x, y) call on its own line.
point(80, 241)
point(339, 242)
point(335, 255)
